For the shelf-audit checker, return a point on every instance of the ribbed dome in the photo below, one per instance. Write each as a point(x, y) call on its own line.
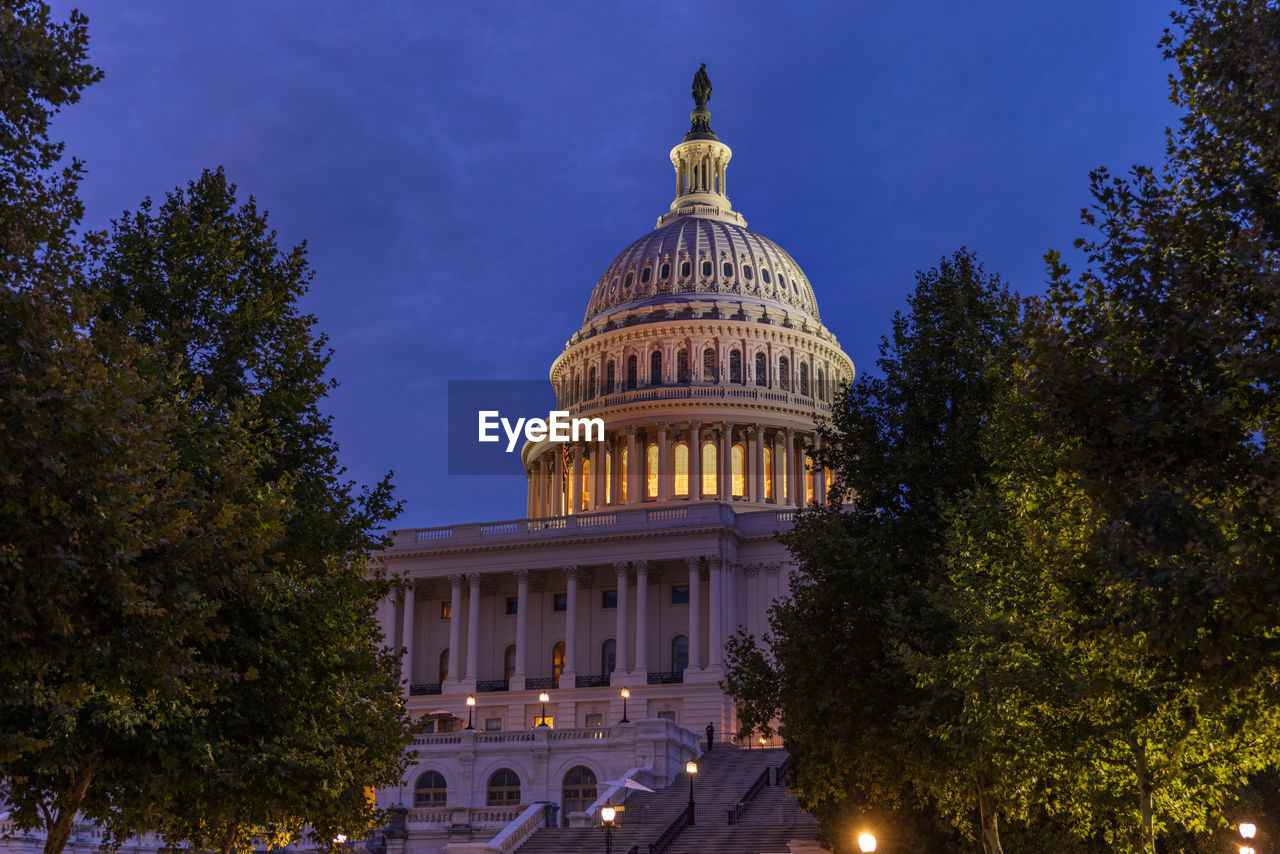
point(697, 256)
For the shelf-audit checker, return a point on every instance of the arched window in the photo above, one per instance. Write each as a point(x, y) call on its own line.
point(430, 790)
point(685, 269)
point(608, 477)
point(738, 464)
point(768, 471)
point(631, 372)
point(679, 653)
point(646, 275)
point(577, 389)
point(557, 661)
point(786, 470)
point(804, 378)
point(444, 666)
point(735, 366)
point(591, 383)
point(608, 657)
point(762, 370)
point(784, 373)
point(708, 365)
point(504, 788)
point(664, 271)
point(708, 468)
point(681, 460)
point(622, 475)
point(651, 476)
point(578, 791)
point(655, 367)
point(509, 663)
point(808, 484)
point(728, 269)
point(586, 484)
point(608, 378)
point(682, 365)
point(822, 385)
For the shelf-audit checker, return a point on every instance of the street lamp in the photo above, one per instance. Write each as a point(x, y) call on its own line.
point(471, 704)
point(691, 768)
point(866, 843)
point(1247, 831)
point(544, 697)
point(626, 695)
point(607, 814)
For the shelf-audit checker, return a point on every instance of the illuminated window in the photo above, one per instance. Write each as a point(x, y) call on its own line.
point(509, 663)
point(568, 487)
point(784, 373)
point(446, 610)
point(708, 468)
point(586, 484)
point(651, 476)
point(632, 376)
point(738, 461)
point(444, 666)
point(622, 475)
point(608, 657)
point(430, 790)
point(762, 370)
point(735, 366)
point(682, 365)
point(804, 378)
point(768, 471)
point(679, 653)
point(708, 365)
point(504, 789)
point(786, 484)
point(808, 484)
point(655, 367)
point(608, 477)
point(681, 460)
point(557, 662)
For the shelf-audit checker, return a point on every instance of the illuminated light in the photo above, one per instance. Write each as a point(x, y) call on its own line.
point(1248, 829)
point(626, 693)
point(608, 813)
point(866, 842)
point(691, 767)
point(544, 697)
point(471, 700)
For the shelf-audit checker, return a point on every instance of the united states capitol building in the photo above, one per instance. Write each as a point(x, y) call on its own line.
point(557, 655)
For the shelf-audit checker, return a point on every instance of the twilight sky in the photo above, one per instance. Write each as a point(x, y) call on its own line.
point(464, 172)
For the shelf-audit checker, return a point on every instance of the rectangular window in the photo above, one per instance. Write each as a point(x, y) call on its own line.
point(609, 599)
point(595, 720)
point(492, 724)
point(667, 716)
point(679, 594)
point(559, 601)
point(513, 605)
point(550, 721)
point(446, 610)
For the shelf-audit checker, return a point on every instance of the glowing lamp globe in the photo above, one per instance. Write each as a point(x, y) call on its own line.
point(866, 842)
point(1248, 829)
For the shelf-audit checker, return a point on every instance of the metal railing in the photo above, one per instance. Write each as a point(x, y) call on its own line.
point(672, 677)
point(593, 681)
point(783, 772)
point(492, 685)
point(541, 683)
point(673, 831)
point(425, 688)
point(735, 814)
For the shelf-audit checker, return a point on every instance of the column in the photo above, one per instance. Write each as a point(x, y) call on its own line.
point(570, 675)
point(575, 490)
point(715, 628)
point(753, 620)
point(819, 478)
point(695, 460)
point(410, 598)
point(725, 463)
point(473, 628)
point(642, 616)
point(695, 613)
point(620, 637)
point(664, 464)
point(522, 630)
point(798, 472)
point(779, 473)
point(789, 473)
point(455, 629)
point(528, 491)
point(557, 483)
point(756, 433)
point(598, 471)
point(633, 467)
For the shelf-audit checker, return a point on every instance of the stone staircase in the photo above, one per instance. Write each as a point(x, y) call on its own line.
point(724, 775)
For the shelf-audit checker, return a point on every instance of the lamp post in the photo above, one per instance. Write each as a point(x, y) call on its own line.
point(691, 768)
point(626, 695)
point(607, 814)
point(544, 697)
point(1247, 831)
point(866, 843)
point(471, 704)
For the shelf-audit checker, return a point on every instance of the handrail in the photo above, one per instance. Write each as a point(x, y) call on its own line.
point(735, 814)
point(673, 831)
point(521, 827)
point(784, 769)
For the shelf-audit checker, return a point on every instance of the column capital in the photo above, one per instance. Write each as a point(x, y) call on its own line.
point(694, 563)
point(791, 434)
point(713, 562)
point(522, 575)
point(574, 572)
point(753, 431)
point(457, 579)
point(772, 569)
point(750, 570)
point(662, 426)
point(473, 578)
point(640, 566)
point(621, 567)
point(632, 429)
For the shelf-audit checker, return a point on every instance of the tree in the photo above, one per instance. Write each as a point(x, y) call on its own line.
point(907, 445)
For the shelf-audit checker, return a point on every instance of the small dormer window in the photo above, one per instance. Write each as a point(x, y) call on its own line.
point(646, 275)
point(665, 271)
point(728, 270)
point(685, 269)
point(706, 268)
point(630, 278)
point(746, 272)
point(764, 274)
point(793, 286)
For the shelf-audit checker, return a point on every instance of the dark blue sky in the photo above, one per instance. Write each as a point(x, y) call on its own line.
point(464, 172)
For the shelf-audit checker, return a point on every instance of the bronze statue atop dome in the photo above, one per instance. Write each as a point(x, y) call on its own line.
point(701, 86)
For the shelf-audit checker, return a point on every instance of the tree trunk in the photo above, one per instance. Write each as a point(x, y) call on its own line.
point(989, 820)
point(59, 830)
point(1144, 795)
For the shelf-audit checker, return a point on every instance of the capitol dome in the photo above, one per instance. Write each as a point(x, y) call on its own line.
point(703, 353)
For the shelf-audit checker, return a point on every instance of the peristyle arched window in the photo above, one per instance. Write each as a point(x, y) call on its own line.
point(655, 367)
point(735, 366)
point(804, 378)
point(762, 370)
point(784, 373)
point(681, 460)
point(679, 653)
point(430, 790)
point(504, 788)
point(651, 475)
point(682, 365)
point(632, 378)
point(738, 462)
point(708, 468)
point(708, 365)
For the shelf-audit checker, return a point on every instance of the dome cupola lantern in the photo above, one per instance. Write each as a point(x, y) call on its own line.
point(700, 161)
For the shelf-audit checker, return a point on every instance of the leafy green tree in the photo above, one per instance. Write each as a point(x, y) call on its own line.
point(862, 728)
point(313, 714)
